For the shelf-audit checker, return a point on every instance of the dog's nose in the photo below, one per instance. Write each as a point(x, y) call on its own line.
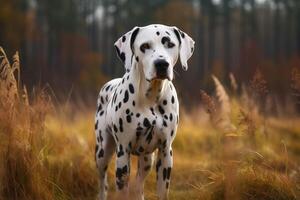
point(161, 66)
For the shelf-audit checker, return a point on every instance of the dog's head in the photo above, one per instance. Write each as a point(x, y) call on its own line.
point(156, 49)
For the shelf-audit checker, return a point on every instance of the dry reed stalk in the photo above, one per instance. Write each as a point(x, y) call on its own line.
point(208, 103)
point(233, 82)
point(224, 108)
point(8, 83)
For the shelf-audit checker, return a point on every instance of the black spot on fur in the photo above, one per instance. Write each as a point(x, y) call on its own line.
point(168, 33)
point(131, 88)
point(120, 151)
point(96, 125)
point(115, 128)
point(171, 117)
point(137, 59)
point(122, 56)
point(133, 103)
point(177, 35)
point(152, 111)
point(169, 172)
point(165, 123)
point(182, 34)
point(121, 124)
point(146, 123)
point(138, 115)
point(165, 102)
point(133, 36)
point(123, 38)
point(101, 153)
point(128, 118)
point(164, 174)
point(157, 33)
point(126, 96)
point(172, 133)
point(161, 110)
point(173, 100)
point(107, 88)
point(158, 164)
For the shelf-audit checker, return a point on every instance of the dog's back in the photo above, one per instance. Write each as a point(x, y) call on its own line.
point(105, 94)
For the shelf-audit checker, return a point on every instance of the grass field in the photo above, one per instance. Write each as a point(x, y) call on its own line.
point(223, 150)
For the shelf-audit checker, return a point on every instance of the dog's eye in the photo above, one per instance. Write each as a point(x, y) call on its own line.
point(144, 46)
point(170, 44)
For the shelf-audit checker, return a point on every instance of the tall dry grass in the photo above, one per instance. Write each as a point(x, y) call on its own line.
point(22, 173)
point(39, 159)
point(251, 165)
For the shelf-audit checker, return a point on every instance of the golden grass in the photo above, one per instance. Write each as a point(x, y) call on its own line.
point(47, 152)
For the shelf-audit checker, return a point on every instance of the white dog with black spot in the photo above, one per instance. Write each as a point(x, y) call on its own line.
point(138, 113)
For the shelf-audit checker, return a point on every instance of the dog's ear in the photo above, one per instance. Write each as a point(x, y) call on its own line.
point(124, 47)
point(186, 47)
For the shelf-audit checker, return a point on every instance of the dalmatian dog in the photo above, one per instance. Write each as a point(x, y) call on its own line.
point(139, 113)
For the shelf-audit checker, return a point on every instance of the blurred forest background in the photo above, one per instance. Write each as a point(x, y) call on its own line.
point(240, 143)
point(69, 43)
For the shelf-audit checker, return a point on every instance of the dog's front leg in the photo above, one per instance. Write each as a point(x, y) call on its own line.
point(122, 170)
point(144, 166)
point(164, 166)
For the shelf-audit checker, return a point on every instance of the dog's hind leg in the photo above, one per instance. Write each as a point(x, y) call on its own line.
point(105, 147)
point(145, 164)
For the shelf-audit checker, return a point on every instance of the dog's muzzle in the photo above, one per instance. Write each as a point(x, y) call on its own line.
point(161, 67)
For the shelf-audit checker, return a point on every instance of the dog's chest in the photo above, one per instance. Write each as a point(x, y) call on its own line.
point(152, 130)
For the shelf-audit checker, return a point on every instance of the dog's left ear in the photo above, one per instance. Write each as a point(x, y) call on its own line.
point(186, 47)
point(124, 45)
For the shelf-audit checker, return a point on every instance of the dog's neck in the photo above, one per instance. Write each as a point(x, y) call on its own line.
point(149, 92)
